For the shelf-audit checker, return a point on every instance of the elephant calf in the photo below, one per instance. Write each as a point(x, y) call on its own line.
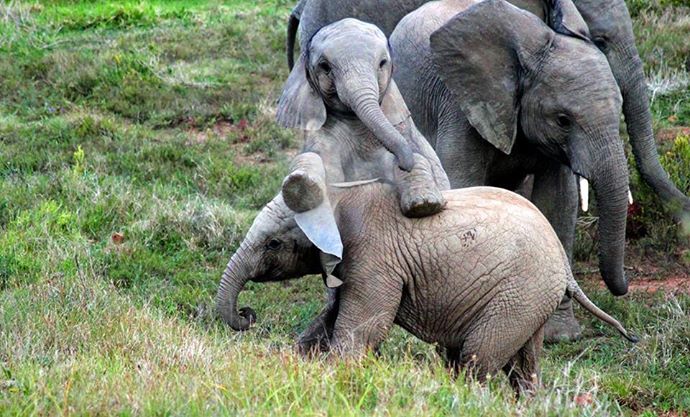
point(343, 96)
point(480, 278)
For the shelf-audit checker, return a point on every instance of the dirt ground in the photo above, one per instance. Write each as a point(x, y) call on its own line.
point(646, 278)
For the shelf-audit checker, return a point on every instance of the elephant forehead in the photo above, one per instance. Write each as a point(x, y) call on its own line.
point(275, 217)
point(348, 31)
point(583, 69)
point(604, 17)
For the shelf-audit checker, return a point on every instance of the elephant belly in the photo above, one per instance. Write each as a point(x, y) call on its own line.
point(444, 313)
point(495, 308)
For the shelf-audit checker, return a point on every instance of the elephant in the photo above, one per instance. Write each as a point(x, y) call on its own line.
point(479, 279)
point(610, 29)
point(500, 95)
point(309, 16)
point(343, 97)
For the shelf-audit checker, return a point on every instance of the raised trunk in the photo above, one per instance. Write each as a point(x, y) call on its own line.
point(639, 122)
point(610, 183)
point(363, 98)
point(235, 276)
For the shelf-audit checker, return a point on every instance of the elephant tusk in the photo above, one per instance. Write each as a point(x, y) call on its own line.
point(584, 194)
point(630, 197)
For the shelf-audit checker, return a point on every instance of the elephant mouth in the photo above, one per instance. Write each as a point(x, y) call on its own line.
point(583, 187)
point(271, 275)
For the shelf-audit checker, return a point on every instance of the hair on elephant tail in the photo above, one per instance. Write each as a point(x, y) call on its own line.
point(293, 24)
point(576, 293)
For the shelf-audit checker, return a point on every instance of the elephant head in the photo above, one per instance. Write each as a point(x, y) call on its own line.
point(514, 75)
point(346, 71)
point(294, 235)
point(611, 30)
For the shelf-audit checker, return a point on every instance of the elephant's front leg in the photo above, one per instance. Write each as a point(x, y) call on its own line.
point(367, 311)
point(420, 196)
point(555, 194)
point(317, 336)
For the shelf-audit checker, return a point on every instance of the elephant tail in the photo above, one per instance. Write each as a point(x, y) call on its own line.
point(293, 24)
point(576, 292)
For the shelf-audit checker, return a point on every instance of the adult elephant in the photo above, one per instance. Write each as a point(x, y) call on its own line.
point(611, 31)
point(311, 15)
point(500, 95)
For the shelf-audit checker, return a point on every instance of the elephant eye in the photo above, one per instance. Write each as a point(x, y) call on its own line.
point(383, 63)
point(274, 244)
point(325, 67)
point(563, 121)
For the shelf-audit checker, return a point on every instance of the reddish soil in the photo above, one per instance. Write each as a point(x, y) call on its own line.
point(672, 284)
point(647, 279)
point(221, 129)
point(670, 134)
point(224, 128)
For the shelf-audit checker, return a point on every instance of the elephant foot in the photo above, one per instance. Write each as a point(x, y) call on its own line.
point(562, 326)
point(317, 337)
point(419, 194)
point(309, 348)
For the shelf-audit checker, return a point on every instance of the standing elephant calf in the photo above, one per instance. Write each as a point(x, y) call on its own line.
point(480, 278)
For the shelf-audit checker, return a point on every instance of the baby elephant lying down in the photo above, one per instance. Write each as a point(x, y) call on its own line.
point(479, 279)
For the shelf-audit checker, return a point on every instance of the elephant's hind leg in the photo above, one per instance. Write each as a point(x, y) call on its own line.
point(523, 368)
point(500, 333)
point(482, 354)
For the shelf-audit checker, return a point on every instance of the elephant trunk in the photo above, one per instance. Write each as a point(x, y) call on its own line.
point(610, 183)
point(363, 99)
point(235, 276)
point(639, 122)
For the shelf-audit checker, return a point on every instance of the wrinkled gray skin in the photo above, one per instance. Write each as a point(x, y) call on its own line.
point(343, 96)
point(610, 28)
point(479, 279)
point(500, 95)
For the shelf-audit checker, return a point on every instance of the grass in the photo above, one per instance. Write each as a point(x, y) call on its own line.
point(136, 145)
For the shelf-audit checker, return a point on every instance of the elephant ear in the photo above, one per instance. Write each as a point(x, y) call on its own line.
point(300, 106)
point(393, 105)
point(480, 56)
point(304, 192)
point(564, 18)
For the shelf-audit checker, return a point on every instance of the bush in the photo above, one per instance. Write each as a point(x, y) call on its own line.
point(649, 222)
point(636, 7)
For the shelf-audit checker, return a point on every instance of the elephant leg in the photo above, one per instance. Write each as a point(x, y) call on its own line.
point(464, 155)
point(451, 359)
point(497, 335)
point(523, 368)
point(419, 193)
point(555, 194)
point(317, 336)
point(525, 187)
point(367, 311)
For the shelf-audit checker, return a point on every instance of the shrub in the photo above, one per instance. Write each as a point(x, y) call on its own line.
point(649, 222)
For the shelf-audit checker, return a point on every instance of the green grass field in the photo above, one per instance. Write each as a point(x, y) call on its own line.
point(136, 145)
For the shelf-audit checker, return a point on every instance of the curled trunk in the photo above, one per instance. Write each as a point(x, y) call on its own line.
point(234, 278)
